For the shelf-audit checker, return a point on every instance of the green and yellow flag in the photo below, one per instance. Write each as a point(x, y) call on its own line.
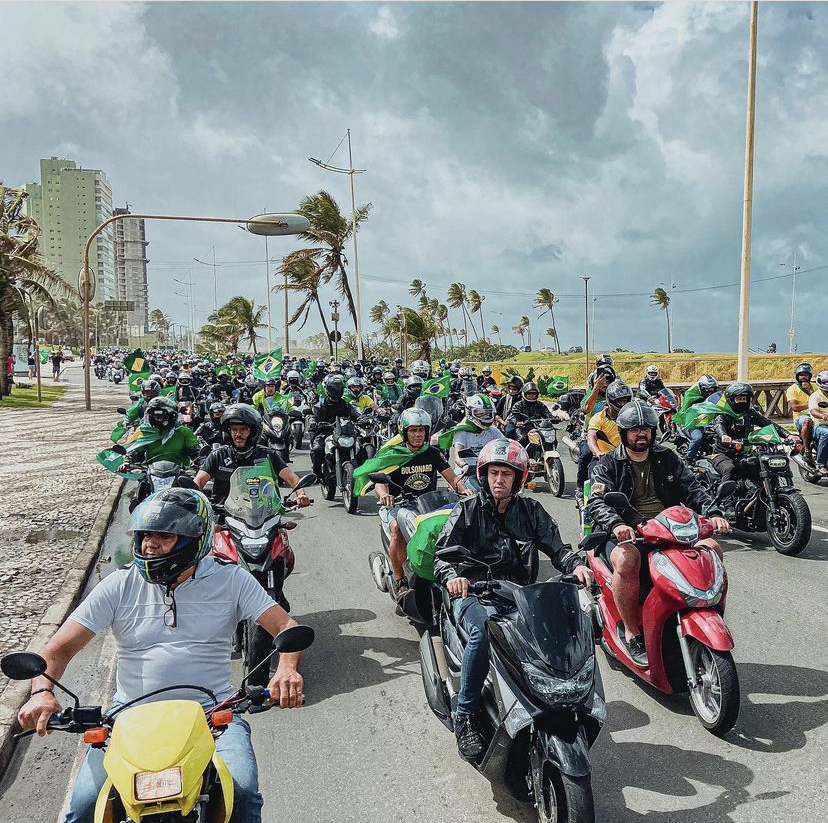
point(136, 380)
point(135, 362)
point(420, 548)
point(438, 387)
point(268, 365)
point(446, 438)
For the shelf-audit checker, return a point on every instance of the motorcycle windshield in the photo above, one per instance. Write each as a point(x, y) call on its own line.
point(254, 494)
point(558, 631)
point(433, 406)
point(438, 499)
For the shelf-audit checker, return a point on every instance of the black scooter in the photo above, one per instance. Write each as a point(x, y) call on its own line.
point(543, 702)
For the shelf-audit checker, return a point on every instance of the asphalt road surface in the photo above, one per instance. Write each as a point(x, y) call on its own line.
point(366, 748)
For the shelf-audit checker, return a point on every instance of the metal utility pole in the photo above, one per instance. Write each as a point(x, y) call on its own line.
point(287, 339)
point(334, 304)
point(215, 279)
point(594, 301)
point(795, 269)
point(747, 209)
point(269, 323)
point(586, 324)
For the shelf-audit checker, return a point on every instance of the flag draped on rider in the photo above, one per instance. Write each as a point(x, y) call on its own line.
point(144, 435)
point(702, 414)
point(446, 438)
point(387, 459)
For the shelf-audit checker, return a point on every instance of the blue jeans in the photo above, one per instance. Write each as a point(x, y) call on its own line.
point(471, 614)
point(696, 441)
point(799, 422)
point(820, 434)
point(235, 749)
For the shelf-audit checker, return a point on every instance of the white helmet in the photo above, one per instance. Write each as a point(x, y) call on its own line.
point(465, 372)
point(421, 369)
point(293, 374)
point(652, 371)
point(487, 370)
point(479, 408)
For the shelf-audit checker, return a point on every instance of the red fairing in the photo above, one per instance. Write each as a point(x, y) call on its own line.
point(281, 548)
point(707, 626)
point(653, 532)
point(695, 563)
point(705, 528)
point(224, 547)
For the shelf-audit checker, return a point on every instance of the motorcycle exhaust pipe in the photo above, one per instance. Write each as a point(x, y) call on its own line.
point(567, 440)
point(801, 462)
point(440, 656)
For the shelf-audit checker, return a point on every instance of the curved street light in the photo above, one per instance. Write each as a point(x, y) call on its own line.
point(261, 224)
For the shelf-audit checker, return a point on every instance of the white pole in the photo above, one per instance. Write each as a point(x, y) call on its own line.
point(356, 254)
point(793, 295)
point(269, 324)
point(747, 210)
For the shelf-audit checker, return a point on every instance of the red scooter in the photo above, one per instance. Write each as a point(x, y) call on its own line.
point(682, 613)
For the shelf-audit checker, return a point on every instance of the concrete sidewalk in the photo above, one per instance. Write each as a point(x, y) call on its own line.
point(52, 493)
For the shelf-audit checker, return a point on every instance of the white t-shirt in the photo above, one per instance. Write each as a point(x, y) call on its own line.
point(814, 400)
point(151, 655)
point(470, 440)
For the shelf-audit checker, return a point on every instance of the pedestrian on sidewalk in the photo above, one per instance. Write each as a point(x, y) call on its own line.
point(32, 364)
point(57, 359)
point(10, 372)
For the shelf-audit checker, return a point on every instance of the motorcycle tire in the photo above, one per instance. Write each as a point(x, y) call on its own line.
point(565, 799)
point(555, 476)
point(297, 442)
point(329, 489)
point(797, 533)
point(717, 716)
point(349, 499)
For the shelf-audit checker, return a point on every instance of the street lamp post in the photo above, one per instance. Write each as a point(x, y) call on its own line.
point(334, 304)
point(795, 269)
point(262, 224)
point(586, 280)
point(351, 171)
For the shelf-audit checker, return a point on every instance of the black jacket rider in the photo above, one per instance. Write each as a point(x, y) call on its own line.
point(219, 390)
point(507, 542)
point(209, 433)
point(739, 428)
point(328, 410)
point(649, 386)
point(406, 401)
point(526, 410)
point(675, 484)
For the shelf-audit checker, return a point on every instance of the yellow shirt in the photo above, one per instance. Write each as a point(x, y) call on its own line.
point(796, 393)
point(362, 402)
point(608, 436)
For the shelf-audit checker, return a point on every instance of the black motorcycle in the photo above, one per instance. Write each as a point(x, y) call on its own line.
point(339, 464)
point(773, 505)
point(543, 702)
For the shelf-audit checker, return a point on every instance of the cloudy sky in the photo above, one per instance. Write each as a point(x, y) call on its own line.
point(509, 146)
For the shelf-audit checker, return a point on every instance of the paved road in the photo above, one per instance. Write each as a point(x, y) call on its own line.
point(366, 748)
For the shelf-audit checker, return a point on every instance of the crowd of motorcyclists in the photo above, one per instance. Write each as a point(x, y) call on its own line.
point(213, 416)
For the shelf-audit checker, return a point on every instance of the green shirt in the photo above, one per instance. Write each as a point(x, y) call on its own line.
point(136, 411)
point(175, 449)
point(644, 498)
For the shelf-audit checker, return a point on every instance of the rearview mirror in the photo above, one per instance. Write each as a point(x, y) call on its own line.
point(823, 405)
point(593, 541)
point(118, 448)
point(22, 665)
point(617, 500)
point(304, 482)
point(292, 640)
point(120, 410)
point(725, 490)
point(467, 453)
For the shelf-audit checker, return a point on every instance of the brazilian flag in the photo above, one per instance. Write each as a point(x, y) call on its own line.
point(438, 387)
point(136, 380)
point(268, 365)
point(135, 362)
point(702, 414)
point(420, 548)
point(387, 459)
point(168, 391)
point(224, 370)
point(446, 438)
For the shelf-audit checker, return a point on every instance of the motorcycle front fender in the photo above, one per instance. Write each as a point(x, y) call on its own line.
point(571, 758)
point(550, 453)
point(708, 627)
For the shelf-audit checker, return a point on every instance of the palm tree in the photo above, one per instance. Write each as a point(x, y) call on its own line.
point(554, 335)
point(441, 315)
point(456, 298)
point(417, 288)
point(380, 312)
point(519, 329)
point(661, 300)
point(476, 304)
point(496, 330)
point(160, 324)
point(546, 300)
point(304, 274)
point(246, 315)
point(329, 228)
point(419, 330)
point(524, 321)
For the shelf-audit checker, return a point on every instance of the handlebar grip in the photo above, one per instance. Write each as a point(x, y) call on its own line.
point(57, 718)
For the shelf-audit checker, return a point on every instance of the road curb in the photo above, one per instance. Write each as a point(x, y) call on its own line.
point(17, 692)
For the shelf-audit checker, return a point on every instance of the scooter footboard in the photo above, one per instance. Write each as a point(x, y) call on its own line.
point(708, 627)
point(571, 758)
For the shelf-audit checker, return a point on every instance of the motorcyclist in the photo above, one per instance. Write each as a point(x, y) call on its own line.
point(468, 382)
point(244, 394)
point(819, 415)
point(149, 389)
point(239, 378)
point(222, 388)
point(325, 413)
point(653, 477)
point(421, 369)
point(398, 366)
point(514, 387)
point(416, 476)
point(505, 531)
point(210, 430)
point(293, 381)
point(529, 408)
point(485, 379)
point(602, 433)
point(601, 363)
point(161, 437)
point(413, 387)
point(480, 412)
point(389, 391)
point(184, 392)
point(319, 375)
point(703, 390)
point(592, 403)
point(260, 401)
point(361, 401)
point(241, 429)
point(178, 638)
point(797, 396)
point(729, 428)
point(651, 384)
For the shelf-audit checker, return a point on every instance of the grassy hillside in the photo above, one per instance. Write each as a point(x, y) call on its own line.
point(675, 368)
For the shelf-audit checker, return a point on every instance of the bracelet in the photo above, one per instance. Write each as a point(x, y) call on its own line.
point(44, 689)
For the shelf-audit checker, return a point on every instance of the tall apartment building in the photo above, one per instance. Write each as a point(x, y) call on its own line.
point(131, 270)
point(68, 204)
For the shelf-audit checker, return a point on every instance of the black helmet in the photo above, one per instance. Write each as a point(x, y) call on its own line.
point(223, 377)
point(618, 395)
point(636, 415)
point(150, 389)
point(738, 389)
point(414, 385)
point(803, 368)
point(246, 416)
point(269, 382)
point(530, 387)
point(217, 409)
point(335, 387)
point(161, 412)
point(183, 512)
point(515, 380)
point(603, 360)
point(708, 384)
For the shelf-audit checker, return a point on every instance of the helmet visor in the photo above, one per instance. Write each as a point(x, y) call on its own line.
point(166, 517)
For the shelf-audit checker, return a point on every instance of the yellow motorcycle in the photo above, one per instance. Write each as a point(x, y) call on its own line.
point(160, 760)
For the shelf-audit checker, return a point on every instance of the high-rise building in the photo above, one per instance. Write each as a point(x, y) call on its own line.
point(131, 269)
point(68, 204)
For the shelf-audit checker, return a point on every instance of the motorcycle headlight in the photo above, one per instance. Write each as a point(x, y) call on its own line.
point(692, 595)
point(254, 546)
point(162, 482)
point(345, 442)
point(554, 690)
point(276, 424)
point(158, 785)
point(777, 462)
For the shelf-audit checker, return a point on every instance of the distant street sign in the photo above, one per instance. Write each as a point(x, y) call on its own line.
point(119, 305)
point(335, 336)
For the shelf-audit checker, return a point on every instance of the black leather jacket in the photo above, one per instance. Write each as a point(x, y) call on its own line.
point(739, 428)
point(509, 543)
point(648, 386)
point(675, 484)
point(406, 401)
point(328, 410)
point(523, 410)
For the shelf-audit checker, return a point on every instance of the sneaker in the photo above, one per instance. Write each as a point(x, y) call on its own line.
point(637, 652)
point(469, 740)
